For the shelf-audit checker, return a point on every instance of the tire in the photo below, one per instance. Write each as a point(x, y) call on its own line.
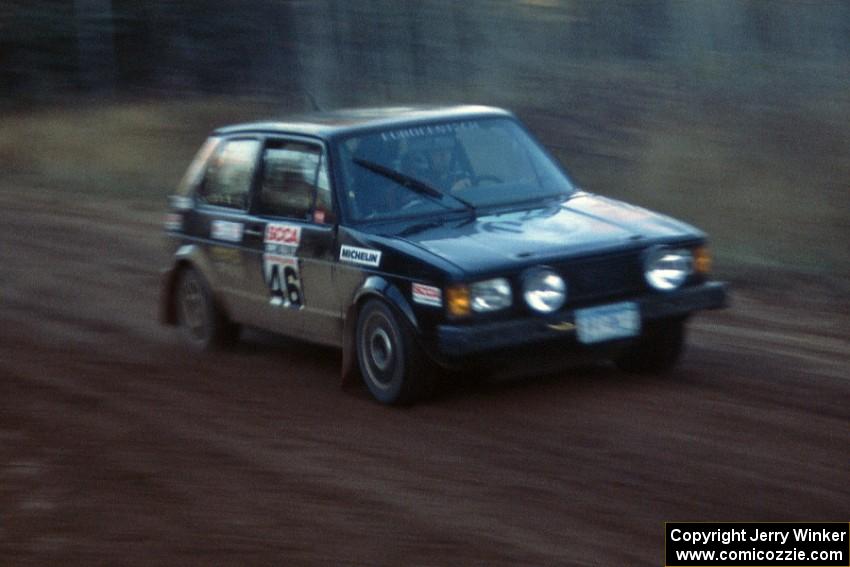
point(391, 362)
point(658, 349)
point(203, 325)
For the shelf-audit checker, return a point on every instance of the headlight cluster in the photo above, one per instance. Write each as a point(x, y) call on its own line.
point(666, 269)
point(545, 291)
point(481, 297)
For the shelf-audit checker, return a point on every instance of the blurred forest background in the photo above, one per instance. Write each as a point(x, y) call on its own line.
point(732, 115)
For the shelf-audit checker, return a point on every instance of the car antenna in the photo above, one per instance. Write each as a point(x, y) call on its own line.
point(313, 102)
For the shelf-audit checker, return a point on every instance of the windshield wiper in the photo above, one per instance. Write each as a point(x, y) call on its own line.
point(413, 184)
point(421, 227)
point(545, 200)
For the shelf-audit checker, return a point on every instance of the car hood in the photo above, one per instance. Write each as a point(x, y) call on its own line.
point(580, 225)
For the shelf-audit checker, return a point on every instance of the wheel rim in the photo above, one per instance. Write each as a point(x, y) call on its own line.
point(193, 308)
point(381, 349)
point(378, 350)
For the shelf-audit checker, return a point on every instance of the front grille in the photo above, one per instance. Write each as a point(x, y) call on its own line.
point(590, 279)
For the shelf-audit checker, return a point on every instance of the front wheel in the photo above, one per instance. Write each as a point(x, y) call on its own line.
point(391, 362)
point(658, 349)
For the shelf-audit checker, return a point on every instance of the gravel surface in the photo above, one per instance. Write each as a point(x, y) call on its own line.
point(117, 446)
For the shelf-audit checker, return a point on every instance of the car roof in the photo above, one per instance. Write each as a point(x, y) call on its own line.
point(333, 123)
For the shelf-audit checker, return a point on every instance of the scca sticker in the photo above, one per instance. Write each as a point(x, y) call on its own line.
point(427, 295)
point(282, 238)
point(362, 256)
point(280, 265)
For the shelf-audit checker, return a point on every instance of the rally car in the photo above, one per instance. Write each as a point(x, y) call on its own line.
point(416, 238)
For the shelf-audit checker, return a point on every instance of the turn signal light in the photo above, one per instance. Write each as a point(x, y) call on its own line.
point(702, 260)
point(457, 299)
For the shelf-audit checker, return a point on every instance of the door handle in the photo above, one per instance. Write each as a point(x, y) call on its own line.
point(252, 232)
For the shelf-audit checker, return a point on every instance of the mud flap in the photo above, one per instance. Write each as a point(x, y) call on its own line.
point(349, 371)
point(167, 314)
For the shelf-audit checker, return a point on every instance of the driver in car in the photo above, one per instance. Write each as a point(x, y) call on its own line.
point(434, 161)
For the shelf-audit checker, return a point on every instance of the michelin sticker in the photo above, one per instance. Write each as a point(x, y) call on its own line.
point(427, 295)
point(362, 256)
point(280, 265)
point(227, 231)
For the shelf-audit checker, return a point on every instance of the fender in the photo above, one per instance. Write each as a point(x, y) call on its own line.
point(374, 286)
point(187, 255)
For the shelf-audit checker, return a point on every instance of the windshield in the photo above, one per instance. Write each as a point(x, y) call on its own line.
point(450, 166)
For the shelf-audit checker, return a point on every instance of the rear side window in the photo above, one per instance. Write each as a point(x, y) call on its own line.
point(229, 174)
point(294, 179)
point(195, 173)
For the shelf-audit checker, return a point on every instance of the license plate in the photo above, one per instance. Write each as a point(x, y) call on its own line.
point(607, 322)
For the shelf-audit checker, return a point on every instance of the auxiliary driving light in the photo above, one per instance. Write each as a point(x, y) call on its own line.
point(544, 290)
point(666, 269)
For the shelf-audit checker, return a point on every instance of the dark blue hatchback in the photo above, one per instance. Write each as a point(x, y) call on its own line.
point(414, 238)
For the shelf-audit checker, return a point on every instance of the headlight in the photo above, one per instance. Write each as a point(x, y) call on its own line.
point(544, 290)
point(490, 295)
point(667, 269)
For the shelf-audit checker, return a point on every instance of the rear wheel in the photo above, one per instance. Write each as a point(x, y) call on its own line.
point(202, 323)
point(391, 362)
point(658, 349)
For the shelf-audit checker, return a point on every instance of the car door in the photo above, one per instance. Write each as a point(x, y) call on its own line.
point(289, 241)
point(218, 223)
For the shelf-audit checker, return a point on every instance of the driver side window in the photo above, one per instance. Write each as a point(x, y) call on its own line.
point(294, 182)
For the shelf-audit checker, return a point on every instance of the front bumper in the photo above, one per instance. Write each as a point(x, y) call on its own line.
point(455, 341)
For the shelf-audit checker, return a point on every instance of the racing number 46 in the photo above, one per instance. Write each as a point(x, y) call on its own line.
point(284, 282)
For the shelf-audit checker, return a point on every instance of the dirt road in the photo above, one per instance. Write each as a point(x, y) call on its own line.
point(119, 447)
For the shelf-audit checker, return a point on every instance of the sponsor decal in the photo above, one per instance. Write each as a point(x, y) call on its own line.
point(280, 265)
point(226, 230)
point(282, 238)
point(180, 203)
point(173, 221)
point(362, 256)
point(427, 295)
point(428, 130)
point(283, 278)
